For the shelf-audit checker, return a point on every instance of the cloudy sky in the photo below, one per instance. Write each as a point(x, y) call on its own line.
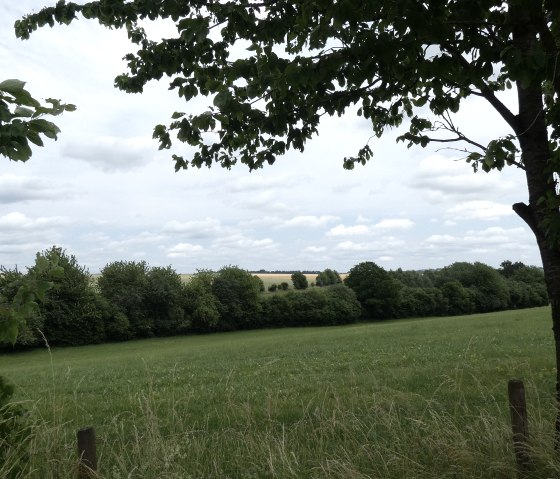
point(104, 192)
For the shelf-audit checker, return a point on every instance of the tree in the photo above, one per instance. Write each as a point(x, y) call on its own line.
point(164, 298)
point(69, 313)
point(124, 285)
point(238, 296)
point(391, 60)
point(327, 277)
point(201, 303)
point(299, 280)
point(376, 290)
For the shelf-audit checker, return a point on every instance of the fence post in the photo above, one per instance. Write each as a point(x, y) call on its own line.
point(87, 453)
point(519, 424)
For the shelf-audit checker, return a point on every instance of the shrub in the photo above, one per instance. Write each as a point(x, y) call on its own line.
point(164, 298)
point(284, 286)
point(327, 277)
point(238, 296)
point(124, 285)
point(70, 313)
point(201, 305)
point(273, 287)
point(299, 280)
point(376, 290)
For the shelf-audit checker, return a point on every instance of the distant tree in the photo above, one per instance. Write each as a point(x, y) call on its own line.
point(487, 287)
point(299, 280)
point(327, 277)
point(165, 300)
point(376, 290)
point(420, 302)
point(124, 284)
point(508, 269)
point(272, 288)
point(238, 297)
point(69, 313)
point(459, 299)
point(342, 304)
point(202, 306)
point(284, 286)
point(260, 283)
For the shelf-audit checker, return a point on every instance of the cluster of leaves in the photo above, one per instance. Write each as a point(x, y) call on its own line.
point(22, 122)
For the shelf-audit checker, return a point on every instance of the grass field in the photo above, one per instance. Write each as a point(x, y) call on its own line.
point(402, 399)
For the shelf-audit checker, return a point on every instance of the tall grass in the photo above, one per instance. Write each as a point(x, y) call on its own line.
point(414, 399)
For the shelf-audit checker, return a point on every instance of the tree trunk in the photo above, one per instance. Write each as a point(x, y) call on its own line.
point(532, 134)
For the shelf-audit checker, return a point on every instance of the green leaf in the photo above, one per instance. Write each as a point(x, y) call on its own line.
point(12, 86)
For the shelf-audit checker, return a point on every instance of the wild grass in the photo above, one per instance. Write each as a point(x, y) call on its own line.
point(409, 398)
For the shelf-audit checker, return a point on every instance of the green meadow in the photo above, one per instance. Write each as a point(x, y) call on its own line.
point(422, 398)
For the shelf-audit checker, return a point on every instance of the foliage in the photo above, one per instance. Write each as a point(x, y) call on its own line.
point(313, 307)
point(69, 312)
point(201, 304)
point(123, 284)
point(488, 289)
point(284, 286)
point(22, 122)
point(238, 296)
point(299, 280)
point(272, 288)
point(305, 59)
point(20, 294)
point(327, 277)
point(260, 283)
point(164, 299)
point(376, 290)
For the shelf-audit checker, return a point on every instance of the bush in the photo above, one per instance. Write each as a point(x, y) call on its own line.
point(238, 296)
point(327, 277)
point(164, 298)
point(272, 288)
point(200, 303)
point(299, 280)
point(284, 286)
point(124, 285)
point(70, 313)
point(376, 290)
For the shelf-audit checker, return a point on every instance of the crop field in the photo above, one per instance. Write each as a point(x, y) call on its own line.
point(397, 399)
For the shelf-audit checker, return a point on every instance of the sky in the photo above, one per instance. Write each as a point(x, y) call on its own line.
point(104, 192)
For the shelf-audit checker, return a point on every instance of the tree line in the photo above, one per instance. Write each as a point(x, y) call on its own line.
point(131, 299)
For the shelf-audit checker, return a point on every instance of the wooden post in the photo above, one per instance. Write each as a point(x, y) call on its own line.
point(519, 424)
point(87, 467)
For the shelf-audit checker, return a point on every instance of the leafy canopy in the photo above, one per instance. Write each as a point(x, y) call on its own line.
point(274, 68)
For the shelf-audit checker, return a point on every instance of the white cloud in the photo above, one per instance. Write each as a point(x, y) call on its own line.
point(208, 227)
point(394, 224)
point(309, 221)
point(183, 250)
point(19, 221)
point(479, 210)
point(341, 230)
point(315, 249)
point(442, 239)
point(385, 259)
